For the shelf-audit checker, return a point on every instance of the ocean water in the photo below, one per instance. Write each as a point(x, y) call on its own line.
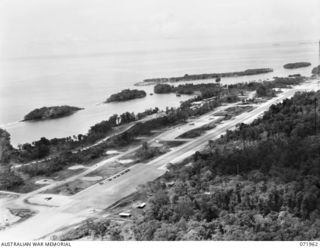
point(87, 79)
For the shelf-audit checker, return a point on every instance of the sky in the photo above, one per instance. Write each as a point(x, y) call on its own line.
point(56, 26)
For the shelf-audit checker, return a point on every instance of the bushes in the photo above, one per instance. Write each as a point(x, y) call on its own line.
point(316, 70)
point(263, 91)
point(147, 152)
point(5, 147)
point(8, 179)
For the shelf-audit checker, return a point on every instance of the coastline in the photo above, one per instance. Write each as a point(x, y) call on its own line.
point(50, 124)
point(106, 81)
point(80, 122)
point(133, 176)
point(218, 95)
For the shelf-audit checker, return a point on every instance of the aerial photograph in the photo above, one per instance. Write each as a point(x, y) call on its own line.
point(159, 120)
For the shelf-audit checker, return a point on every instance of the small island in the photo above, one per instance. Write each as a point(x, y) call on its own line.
point(126, 95)
point(53, 112)
point(296, 65)
point(217, 76)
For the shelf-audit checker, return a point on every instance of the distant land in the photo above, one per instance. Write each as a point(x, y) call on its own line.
point(53, 112)
point(192, 77)
point(126, 95)
point(296, 65)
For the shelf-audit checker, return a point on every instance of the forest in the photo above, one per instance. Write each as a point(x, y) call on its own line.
point(126, 95)
point(53, 112)
point(258, 182)
point(207, 90)
point(316, 70)
point(276, 82)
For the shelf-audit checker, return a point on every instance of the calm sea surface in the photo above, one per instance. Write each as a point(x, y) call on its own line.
point(86, 80)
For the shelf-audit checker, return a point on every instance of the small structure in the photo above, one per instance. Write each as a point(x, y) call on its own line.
point(170, 184)
point(125, 215)
point(142, 205)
